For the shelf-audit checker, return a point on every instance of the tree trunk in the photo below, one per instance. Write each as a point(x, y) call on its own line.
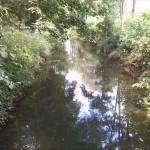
point(121, 11)
point(133, 7)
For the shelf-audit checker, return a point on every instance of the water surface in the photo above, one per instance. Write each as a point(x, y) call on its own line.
point(79, 102)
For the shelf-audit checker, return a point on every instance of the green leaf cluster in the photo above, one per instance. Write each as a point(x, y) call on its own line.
point(20, 56)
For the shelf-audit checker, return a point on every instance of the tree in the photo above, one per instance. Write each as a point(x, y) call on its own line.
point(121, 11)
point(133, 7)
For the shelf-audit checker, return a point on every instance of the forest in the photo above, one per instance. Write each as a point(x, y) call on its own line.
point(30, 29)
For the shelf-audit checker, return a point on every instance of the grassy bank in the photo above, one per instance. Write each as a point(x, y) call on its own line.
point(21, 54)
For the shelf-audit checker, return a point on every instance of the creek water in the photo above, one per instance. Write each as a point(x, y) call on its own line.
point(78, 102)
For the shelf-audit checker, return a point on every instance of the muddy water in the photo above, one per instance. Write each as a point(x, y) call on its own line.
point(79, 102)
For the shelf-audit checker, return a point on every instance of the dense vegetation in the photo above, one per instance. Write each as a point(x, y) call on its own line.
point(20, 56)
point(27, 28)
point(124, 39)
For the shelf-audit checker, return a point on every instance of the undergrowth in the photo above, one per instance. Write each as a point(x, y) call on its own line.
point(21, 54)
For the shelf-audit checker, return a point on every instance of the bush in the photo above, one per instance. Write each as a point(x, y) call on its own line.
point(20, 56)
point(135, 38)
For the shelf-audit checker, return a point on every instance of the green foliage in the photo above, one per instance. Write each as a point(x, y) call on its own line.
point(144, 83)
point(55, 16)
point(20, 56)
point(59, 16)
point(134, 45)
point(102, 25)
point(116, 54)
point(134, 39)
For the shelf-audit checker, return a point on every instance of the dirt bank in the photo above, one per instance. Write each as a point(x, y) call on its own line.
point(131, 68)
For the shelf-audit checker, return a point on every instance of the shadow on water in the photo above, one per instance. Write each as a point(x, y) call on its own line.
point(79, 102)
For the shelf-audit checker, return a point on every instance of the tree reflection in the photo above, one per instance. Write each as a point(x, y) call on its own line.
point(112, 112)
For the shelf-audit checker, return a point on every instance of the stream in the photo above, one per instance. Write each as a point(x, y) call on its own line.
point(79, 101)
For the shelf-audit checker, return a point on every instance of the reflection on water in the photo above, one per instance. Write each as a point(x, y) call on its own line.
point(87, 105)
point(70, 49)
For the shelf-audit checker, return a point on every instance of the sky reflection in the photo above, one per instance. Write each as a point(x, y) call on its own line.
point(104, 105)
point(86, 111)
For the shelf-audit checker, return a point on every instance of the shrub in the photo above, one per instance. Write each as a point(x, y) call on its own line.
point(134, 39)
point(20, 56)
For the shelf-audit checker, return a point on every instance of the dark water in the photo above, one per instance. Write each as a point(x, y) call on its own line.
point(79, 103)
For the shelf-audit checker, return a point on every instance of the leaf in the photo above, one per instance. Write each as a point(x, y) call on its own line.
point(11, 85)
point(12, 55)
point(3, 53)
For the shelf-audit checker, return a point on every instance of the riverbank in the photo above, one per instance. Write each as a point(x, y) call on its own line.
point(141, 75)
point(21, 56)
point(130, 68)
